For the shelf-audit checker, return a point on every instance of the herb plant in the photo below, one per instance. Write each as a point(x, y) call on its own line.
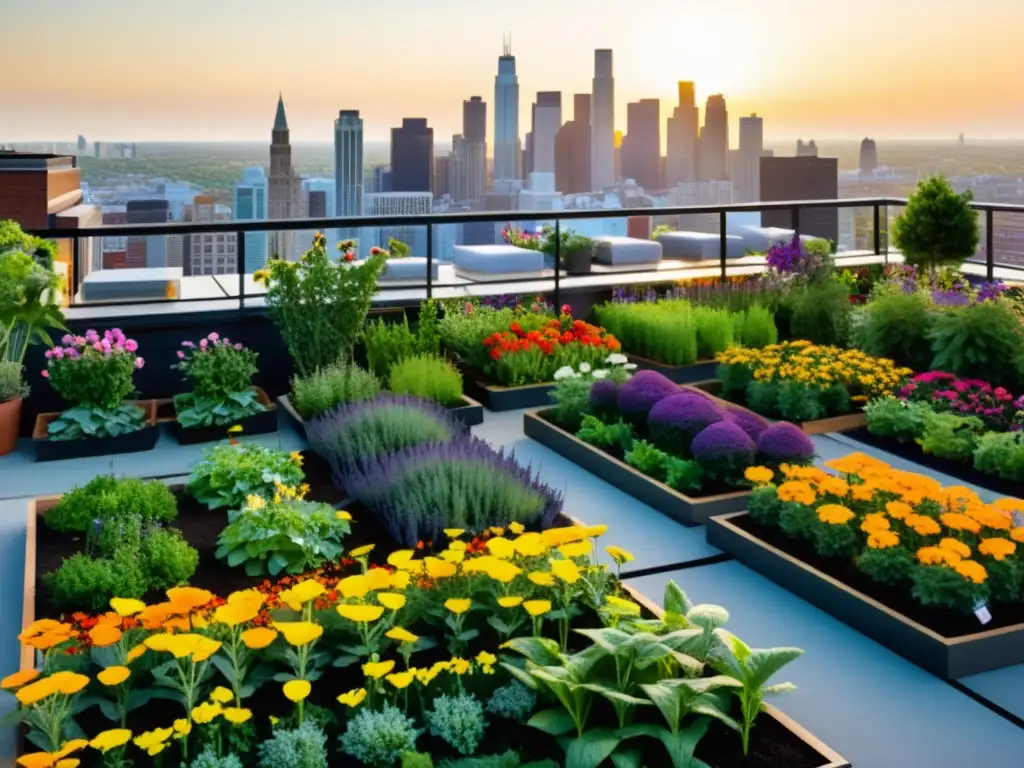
point(221, 376)
point(29, 294)
point(337, 384)
point(12, 383)
point(427, 376)
point(229, 474)
point(105, 497)
point(378, 738)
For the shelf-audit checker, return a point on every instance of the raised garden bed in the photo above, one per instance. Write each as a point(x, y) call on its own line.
point(944, 642)
point(53, 450)
point(702, 370)
point(261, 423)
point(495, 397)
point(470, 413)
point(961, 470)
point(670, 502)
point(844, 423)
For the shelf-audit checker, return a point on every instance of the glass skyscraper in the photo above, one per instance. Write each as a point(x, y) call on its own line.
point(251, 205)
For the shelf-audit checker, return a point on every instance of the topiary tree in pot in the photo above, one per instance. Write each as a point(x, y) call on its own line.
point(938, 228)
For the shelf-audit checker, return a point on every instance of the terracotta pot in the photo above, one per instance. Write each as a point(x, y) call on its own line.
point(10, 418)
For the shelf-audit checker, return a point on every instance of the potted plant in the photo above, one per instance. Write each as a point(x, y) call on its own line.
point(577, 252)
point(95, 373)
point(29, 303)
point(938, 228)
point(222, 392)
point(12, 391)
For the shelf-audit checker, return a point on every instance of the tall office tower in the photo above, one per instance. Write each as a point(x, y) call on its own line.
point(412, 156)
point(683, 131)
point(602, 123)
point(398, 204)
point(746, 168)
point(641, 146)
point(547, 120)
point(251, 205)
point(284, 189)
point(97, 149)
point(713, 157)
point(113, 251)
point(810, 149)
point(474, 119)
point(506, 120)
point(467, 177)
point(443, 182)
point(316, 204)
point(147, 250)
point(868, 158)
point(211, 254)
point(348, 169)
point(572, 149)
point(83, 145)
point(802, 178)
point(381, 179)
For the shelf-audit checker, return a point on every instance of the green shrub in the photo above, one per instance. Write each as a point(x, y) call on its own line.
point(302, 747)
point(208, 759)
point(229, 474)
point(387, 343)
point(416, 760)
point(463, 334)
point(459, 721)
point(755, 328)
point(378, 737)
point(509, 759)
point(821, 313)
point(896, 326)
point(1002, 454)
point(891, 566)
point(84, 583)
point(984, 341)
point(665, 331)
point(597, 433)
point(338, 384)
point(429, 377)
point(512, 701)
point(167, 559)
point(714, 331)
point(12, 384)
point(895, 418)
point(949, 436)
point(105, 496)
point(938, 226)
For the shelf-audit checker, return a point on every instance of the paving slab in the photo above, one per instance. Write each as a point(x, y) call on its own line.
point(1003, 687)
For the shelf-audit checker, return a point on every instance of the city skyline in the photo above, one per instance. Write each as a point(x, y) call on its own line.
point(122, 73)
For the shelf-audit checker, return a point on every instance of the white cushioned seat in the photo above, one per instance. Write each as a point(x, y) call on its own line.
point(496, 259)
point(619, 251)
point(699, 246)
point(409, 268)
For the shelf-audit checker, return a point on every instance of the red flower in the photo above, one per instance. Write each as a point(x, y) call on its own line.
point(496, 353)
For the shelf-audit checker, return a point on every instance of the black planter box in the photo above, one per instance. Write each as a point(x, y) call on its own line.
point(579, 261)
point(961, 470)
point(949, 658)
point(284, 404)
point(261, 423)
point(670, 502)
point(470, 413)
point(497, 398)
point(702, 370)
point(133, 442)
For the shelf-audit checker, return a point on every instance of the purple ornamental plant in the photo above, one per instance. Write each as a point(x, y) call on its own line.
point(723, 442)
point(687, 413)
point(785, 443)
point(637, 396)
point(748, 421)
point(603, 396)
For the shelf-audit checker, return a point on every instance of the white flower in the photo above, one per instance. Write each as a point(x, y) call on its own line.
point(630, 366)
point(565, 372)
point(584, 367)
point(599, 374)
point(616, 359)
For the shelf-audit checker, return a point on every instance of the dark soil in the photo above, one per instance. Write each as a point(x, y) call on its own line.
point(946, 622)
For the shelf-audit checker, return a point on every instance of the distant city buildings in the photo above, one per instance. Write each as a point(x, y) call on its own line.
point(683, 132)
point(746, 169)
point(215, 253)
point(465, 173)
point(868, 158)
point(284, 199)
point(547, 120)
point(412, 156)
point(809, 149)
point(147, 250)
point(397, 204)
point(801, 178)
point(506, 121)
point(641, 145)
point(713, 147)
point(251, 205)
point(602, 123)
point(348, 168)
point(572, 149)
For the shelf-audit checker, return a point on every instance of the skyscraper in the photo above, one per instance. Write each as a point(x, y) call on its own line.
point(802, 178)
point(808, 149)
point(412, 156)
point(467, 175)
point(444, 172)
point(712, 159)
point(641, 146)
point(398, 204)
point(547, 119)
point(474, 119)
point(211, 254)
point(868, 157)
point(348, 168)
point(251, 205)
point(602, 123)
point(284, 186)
point(572, 149)
point(746, 170)
point(506, 120)
point(147, 250)
point(683, 132)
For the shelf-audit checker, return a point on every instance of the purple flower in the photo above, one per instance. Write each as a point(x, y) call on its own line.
point(637, 396)
point(785, 442)
point(131, 345)
point(687, 413)
point(603, 393)
point(748, 421)
point(723, 441)
point(990, 291)
point(950, 298)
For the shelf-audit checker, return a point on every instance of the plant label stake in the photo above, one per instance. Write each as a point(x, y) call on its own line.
point(982, 612)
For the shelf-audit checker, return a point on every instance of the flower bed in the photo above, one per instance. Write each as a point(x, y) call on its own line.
point(894, 555)
point(821, 388)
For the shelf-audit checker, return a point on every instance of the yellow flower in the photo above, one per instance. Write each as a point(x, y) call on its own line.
point(954, 545)
point(377, 669)
point(149, 739)
point(998, 549)
point(501, 548)
point(341, 514)
point(454, 533)
point(221, 695)
point(237, 715)
point(486, 659)
point(401, 679)
point(566, 570)
point(439, 569)
point(255, 502)
point(595, 531)
point(187, 599)
point(401, 557)
point(972, 571)
point(530, 544)
point(103, 635)
point(296, 456)
point(759, 475)
point(458, 606)
point(619, 555)
point(509, 602)
point(881, 539)
point(353, 698)
point(391, 600)
point(496, 530)
point(206, 712)
point(834, 514)
point(458, 666)
point(68, 683)
point(576, 549)
point(126, 607)
point(111, 739)
point(354, 586)
point(542, 578)
point(401, 635)
point(361, 551)
point(182, 727)
point(36, 760)
point(537, 607)
point(71, 746)
point(241, 607)
point(361, 614)
point(304, 591)
point(113, 675)
point(296, 690)
point(623, 606)
point(453, 555)
point(516, 528)
point(18, 679)
point(258, 637)
point(299, 633)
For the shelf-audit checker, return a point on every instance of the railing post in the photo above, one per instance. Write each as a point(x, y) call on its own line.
point(76, 267)
point(558, 266)
point(430, 260)
point(240, 266)
point(878, 228)
point(723, 246)
point(795, 215)
point(990, 245)
point(886, 212)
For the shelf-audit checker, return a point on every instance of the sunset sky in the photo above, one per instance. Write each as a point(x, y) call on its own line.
point(146, 70)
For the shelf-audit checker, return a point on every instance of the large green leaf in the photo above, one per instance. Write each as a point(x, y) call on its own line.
point(608, 638)
point(555, 721)
point(592, 749)
point(675, 599)
point(542, 651)
point(765, 662)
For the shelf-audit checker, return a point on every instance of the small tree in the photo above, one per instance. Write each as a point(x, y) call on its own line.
point(938, 228)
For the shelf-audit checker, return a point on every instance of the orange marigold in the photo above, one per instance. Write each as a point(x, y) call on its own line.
point(998, 549)
point(834, 514)
point(798, 491)
point(923, 525)
point(959, 522)
point(972, 571)
point(955, 545)
point(937, 556)
point(879, 539)
point(899, 510)
point(876, 521)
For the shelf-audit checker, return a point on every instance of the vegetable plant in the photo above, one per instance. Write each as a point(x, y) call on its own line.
point(229, 474)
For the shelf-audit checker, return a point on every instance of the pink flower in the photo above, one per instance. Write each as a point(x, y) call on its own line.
point(181, 355)
point(213, 336)
point(67, 338)
point(106, 345)
point(238, 346)
point(139, 362)
point(91, 336)
point(80, 341)
point(189, 344)
point(97, 346)
point(131, 345)
point(57, 352)
point(202, 343)
point(48, 354)
point(45, 374)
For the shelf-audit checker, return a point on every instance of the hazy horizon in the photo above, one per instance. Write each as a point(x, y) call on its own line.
point(895, 70)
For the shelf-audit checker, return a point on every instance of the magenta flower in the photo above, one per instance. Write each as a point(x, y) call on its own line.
point(97, 346)
point(213, 336)
point(45, 374)
point(139, 362)
point(181, 355)
point(203, 344)
point(131, 345)
point(67, 339)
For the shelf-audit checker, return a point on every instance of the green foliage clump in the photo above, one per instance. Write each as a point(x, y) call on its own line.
point(229, 474)
point(897, 326)
point(512, 701)
point(938, 585)
point(949, 436)
point(12, 384)
point(765, 506)
point(208, 759)
point(821, 313)
point(755, 327)
point(389, 343)
point(416, 760)
point(890, 566)
point(984, 341)
point(84, 583)
point(938, 227)
point(1002, 454)
point(105, 496)
point(337, 384)
point(302, 747)
point(167, 559)
point(463, 333)
point(509, 759)
point(617, 436)
point(458, 720)
point(896, 418)
point(378, 738)
point(29, 301)
point(681, 474)
point(427, 376)
point(14, 238)
point(221, 376)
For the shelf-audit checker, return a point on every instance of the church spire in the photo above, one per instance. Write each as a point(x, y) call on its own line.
point(280, 121)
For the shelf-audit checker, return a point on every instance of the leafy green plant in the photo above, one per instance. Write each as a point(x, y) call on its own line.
point(458, 720)
point(228, 474)
point(617, 436)
point(647, 458)
point(387, 343)
point(897, 326)
point(221, 376)
point(208, 758)
point(12, 383)
point(302, 747)
point(29, 299)
point(949, 436)
point(378, 737)
point(984, 341)
point(84, 583)
point(429, 377)
point(105, 497)
point(896, 418)
point(821, 312)
point(287, 535)
point(1002, 454)
point(938, 226)
point(755, 327)
point(714, 331)
point(462, 333)
point(14, 238)
point(337, 384)
point(512, 701)
point(341, 293)
point(167, 559)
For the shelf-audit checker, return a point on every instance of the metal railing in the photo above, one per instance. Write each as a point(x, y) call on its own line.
point(878, 205)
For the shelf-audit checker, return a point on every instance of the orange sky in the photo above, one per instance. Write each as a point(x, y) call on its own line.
point(211, 69)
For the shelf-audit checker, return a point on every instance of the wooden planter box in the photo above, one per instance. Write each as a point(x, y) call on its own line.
point(495, 397)
point(261, 423)
point(843, 423)
point(670, 502)
point(949, 658)
point(469, 413)
point(53, 450)
point(702, 370)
